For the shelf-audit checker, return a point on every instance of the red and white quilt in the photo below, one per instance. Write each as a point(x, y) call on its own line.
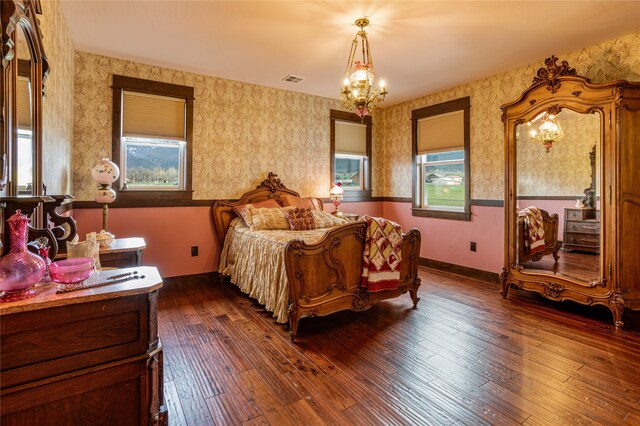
point(382, 254)
point(534, 227)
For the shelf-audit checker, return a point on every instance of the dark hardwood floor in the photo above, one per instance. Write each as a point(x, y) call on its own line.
point(465, 356)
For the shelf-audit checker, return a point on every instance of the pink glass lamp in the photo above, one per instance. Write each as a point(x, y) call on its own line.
point(336, 194)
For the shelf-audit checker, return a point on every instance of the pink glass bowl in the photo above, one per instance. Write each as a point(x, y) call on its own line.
point(71, 271)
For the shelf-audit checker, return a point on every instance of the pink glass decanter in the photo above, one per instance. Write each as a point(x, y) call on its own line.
point(19, 269)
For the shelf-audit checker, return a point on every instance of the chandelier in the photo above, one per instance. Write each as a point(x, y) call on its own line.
point(357, 91)
point(549, 131)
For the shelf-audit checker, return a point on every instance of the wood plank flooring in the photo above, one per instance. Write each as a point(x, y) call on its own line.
point(465, 356)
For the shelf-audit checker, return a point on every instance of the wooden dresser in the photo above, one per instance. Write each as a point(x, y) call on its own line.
point(86, 357)
point(581, 230)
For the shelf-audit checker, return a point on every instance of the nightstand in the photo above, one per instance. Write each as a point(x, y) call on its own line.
point(122, 253)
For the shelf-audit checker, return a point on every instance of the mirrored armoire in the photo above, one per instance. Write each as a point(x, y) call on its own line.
point(572, 172)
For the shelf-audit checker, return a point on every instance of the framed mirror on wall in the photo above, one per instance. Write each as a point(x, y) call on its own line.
point(24, 70)
point(572, 190)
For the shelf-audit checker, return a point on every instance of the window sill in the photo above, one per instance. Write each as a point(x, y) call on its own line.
point(155, 198)
point(441, 214)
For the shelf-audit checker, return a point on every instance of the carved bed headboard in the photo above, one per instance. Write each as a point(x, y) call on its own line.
point(271, 187)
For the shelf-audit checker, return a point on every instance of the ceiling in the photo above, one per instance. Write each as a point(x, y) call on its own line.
point(418, 47)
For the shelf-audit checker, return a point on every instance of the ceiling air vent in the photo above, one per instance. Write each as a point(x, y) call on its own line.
point(293, 79)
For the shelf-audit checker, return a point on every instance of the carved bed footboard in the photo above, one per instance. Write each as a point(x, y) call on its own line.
point(325, 277)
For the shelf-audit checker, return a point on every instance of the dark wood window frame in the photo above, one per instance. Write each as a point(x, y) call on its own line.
point(463, 104)
point(352, 194)
point(141, 198)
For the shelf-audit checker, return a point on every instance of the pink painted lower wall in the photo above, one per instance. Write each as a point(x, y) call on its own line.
point(170, 232)
point(552, 206)
point(448, 240)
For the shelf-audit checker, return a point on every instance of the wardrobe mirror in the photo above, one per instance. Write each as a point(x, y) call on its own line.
point(24, 146)
point(24, 71)
point(558, 190)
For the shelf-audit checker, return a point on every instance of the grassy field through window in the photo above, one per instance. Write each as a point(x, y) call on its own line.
point(444, 195)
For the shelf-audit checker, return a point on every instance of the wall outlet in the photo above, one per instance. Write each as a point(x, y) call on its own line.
point(472, 246)
point(194, 251)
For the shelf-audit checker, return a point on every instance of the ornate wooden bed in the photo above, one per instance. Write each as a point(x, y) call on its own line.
point(325, 277)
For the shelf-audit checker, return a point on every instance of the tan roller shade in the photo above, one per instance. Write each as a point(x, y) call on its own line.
point(444, 132)
point(153, 116)
point(24, 104)
point(351, 138)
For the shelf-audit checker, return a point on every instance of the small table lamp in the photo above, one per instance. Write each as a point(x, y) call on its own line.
point(336, 194)
point(105, 172)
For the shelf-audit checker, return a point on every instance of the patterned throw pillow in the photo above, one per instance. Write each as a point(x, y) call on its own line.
point(267, 219)
point(246, 216)
point(301, 219)
point(327, 220)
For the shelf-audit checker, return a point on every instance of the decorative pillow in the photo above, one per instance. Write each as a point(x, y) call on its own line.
point(265, 219)
point(303, 203)
point(327, 220)
point(242, 211)
point(300, 219)
point(88, 248)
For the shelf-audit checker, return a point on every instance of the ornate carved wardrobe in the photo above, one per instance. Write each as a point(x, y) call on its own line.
point(609, 115)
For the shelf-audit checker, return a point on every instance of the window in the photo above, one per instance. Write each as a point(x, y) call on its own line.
point(152, 133)
point(441, 160)
point(351, 154)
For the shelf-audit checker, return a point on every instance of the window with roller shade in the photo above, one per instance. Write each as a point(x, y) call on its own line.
point(441, 160)
point(152, 137)
point(351, 153)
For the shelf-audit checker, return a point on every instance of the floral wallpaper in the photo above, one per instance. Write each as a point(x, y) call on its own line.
point(57, 107)
point(241, 131)
point(611, 60)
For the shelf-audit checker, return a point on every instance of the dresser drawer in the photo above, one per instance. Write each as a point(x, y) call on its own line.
point(587, 227)
point(592, 240)
point(573, 215)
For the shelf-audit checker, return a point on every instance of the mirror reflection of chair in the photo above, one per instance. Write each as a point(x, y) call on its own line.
point(548, 236)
